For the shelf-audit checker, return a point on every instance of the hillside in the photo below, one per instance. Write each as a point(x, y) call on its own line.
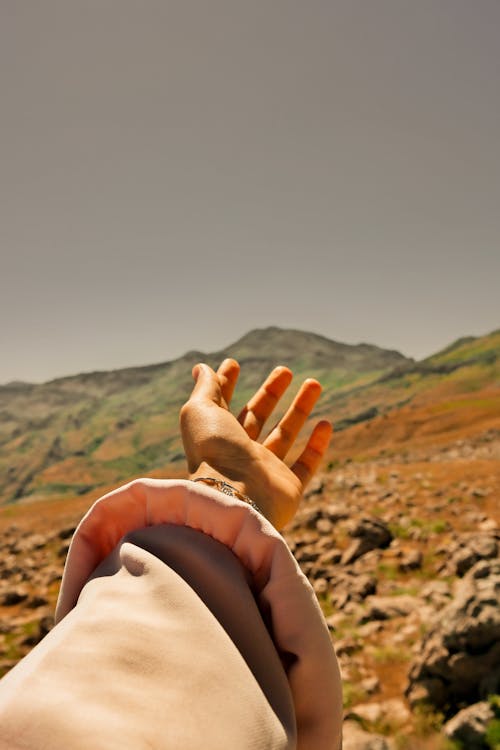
point(77, 433)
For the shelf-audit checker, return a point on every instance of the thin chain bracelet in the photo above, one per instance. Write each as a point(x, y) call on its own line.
point(227, 489)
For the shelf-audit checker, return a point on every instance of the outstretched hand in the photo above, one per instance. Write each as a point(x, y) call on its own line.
point(219, 444)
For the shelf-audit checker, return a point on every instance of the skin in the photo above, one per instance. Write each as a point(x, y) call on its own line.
point(221, 445)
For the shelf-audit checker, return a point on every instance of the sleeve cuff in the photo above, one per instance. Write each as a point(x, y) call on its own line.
point(282, 592)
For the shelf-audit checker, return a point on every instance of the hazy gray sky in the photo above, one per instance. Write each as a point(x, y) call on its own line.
point(174, 174)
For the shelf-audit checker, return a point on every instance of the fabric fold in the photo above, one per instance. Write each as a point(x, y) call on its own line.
point(282, 592)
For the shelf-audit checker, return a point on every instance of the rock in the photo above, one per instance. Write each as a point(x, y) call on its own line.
point(488, 525)
point(63, 549)
point(308, 518)
point(478, 492)
point(12, 597)
point(36, 601)
point(369, 534)
point(370, 685)
point(469, 726)
point(320, 586)
point(315, 488)
point(335, 512)
point(330, 558)
point(412, 560)
point(45, 624)
point(394, 711)
point(459, 659)
point(347, 646)
point(370, 628)
point(350, 587)
point(355, 738)
point(66, 532)
point(324, 526)
point(437, 593)
point(32, 542)
point(470, 548)
point(387, 607)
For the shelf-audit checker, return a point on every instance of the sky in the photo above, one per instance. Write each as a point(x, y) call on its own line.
point(176, 173)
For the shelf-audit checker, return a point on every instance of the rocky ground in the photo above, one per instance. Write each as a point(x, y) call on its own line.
point(404, 555)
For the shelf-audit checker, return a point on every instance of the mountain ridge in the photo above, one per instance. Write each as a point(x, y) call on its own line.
point(73, 434)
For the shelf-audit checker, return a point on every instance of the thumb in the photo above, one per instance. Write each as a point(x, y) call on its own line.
point(207, 387)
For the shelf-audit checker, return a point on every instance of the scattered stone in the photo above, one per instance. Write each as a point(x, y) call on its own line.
point(489, 525)
point(308, 518)
point(393, 710)
point(472, 548)
point(469, 726)
point(369, 534)
point(320, 586)
point(387, 607)
point(308, 553)
point(315, 488)
point(371, 685)
point(44, 625)
point(412, 560)
point(13, 597)
point(66, 532)
point(330, 558)
point(350, 587)
point(324, 526)
point(63, 549)
point(437, 593)
point(370, 628)
point(478, 492)
point(335, 512)
point(355, 738)
point(459, 659)
point(36, 601)
point(347, 646)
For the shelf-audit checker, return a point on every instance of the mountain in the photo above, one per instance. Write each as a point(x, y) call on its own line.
point(80, 434)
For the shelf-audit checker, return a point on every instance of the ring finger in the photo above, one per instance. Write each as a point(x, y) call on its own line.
point(253, 416)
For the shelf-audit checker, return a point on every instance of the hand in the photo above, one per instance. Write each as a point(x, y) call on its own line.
point(217, 444)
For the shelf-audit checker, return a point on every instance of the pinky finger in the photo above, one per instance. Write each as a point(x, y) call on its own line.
point(310, 458)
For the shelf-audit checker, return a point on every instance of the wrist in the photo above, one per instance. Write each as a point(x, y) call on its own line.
point(244, 486)
point(206, 470)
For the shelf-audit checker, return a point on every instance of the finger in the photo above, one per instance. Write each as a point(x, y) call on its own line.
point(310, 458)
point(283, 436)
point(228, 375)
point(262, 403)
point(207, 387)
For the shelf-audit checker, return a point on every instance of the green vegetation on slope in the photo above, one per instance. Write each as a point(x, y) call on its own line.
point(73, 434)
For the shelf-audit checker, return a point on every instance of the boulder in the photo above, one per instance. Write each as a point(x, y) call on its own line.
point(349, 587)
point(369, 534)
point(459, 661)
point(469, 726)
point(470, 548)
point(387, 607)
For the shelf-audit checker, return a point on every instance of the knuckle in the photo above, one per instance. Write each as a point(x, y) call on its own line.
point(185, 411)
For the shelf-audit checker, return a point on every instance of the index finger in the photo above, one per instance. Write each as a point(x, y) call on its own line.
point(207, 387)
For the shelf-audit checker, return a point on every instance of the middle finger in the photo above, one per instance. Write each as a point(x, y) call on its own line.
point(260, 406)
point(282, 437)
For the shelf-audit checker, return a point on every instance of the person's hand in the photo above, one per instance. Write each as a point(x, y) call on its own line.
point(217, 444)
